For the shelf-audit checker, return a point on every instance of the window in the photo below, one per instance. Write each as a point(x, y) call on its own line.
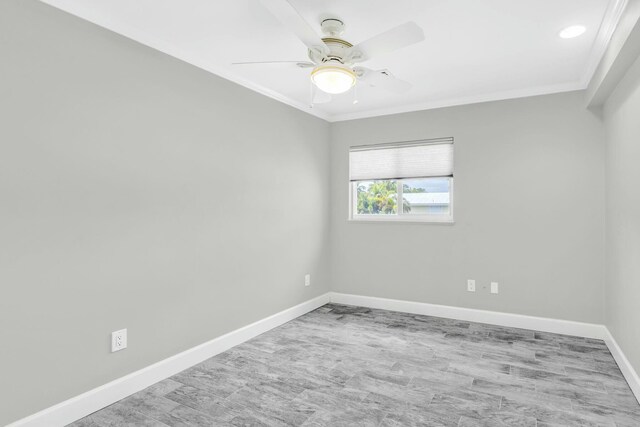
point(410, 181)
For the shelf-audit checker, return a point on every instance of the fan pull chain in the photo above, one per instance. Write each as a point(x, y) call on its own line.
point(312, 93)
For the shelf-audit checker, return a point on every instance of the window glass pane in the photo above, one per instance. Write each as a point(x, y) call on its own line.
point(376, 197)
point(426, 196)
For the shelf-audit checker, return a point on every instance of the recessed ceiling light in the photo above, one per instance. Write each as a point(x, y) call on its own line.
point(573, 31)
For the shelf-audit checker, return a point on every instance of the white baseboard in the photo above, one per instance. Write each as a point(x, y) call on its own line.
point(100, 397)
point(565, 327)
point(625, 366)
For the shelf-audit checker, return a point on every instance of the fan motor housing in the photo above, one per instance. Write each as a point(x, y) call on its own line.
point(337, 48)
point(332, 28)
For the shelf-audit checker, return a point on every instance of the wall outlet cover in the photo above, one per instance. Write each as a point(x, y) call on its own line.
point(494, 287)
point(307, 280)
point(471, 285)
point(118, 340)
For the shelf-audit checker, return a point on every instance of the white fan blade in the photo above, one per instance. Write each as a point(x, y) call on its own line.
point(394, 39)
point(290, 18)
point(301, 64)
point(382, 79)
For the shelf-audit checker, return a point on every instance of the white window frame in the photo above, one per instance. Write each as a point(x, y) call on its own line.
point(400, 216)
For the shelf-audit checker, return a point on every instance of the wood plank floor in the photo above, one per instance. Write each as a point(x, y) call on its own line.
point(351, 366)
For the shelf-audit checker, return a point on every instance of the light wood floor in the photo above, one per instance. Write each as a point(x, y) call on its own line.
point(352, 366)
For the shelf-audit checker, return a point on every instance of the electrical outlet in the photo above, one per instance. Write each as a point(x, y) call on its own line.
point(471, 285)
point(307, 280)
point(494, 287)
point(118, 340)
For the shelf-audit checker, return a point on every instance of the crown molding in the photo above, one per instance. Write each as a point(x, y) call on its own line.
point(167, 48)
point(608, 25)
point(607, 28)
point(489, 97)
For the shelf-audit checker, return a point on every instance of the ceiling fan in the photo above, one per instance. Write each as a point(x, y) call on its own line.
point(333, 60)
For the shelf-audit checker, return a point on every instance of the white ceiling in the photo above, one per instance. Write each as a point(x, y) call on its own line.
point(474, 50)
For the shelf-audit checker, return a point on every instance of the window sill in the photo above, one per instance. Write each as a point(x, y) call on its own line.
point(435, 221)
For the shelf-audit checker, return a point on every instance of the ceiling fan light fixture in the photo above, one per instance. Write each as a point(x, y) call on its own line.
point(333, 78)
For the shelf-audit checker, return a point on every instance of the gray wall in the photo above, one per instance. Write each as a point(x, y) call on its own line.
point(139, 192)
point(622, 121)
point(529, 193)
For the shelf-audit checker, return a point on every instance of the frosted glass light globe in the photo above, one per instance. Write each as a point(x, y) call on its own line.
point(333, 78)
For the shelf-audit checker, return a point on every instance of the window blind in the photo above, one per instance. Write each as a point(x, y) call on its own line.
point(415, 159)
